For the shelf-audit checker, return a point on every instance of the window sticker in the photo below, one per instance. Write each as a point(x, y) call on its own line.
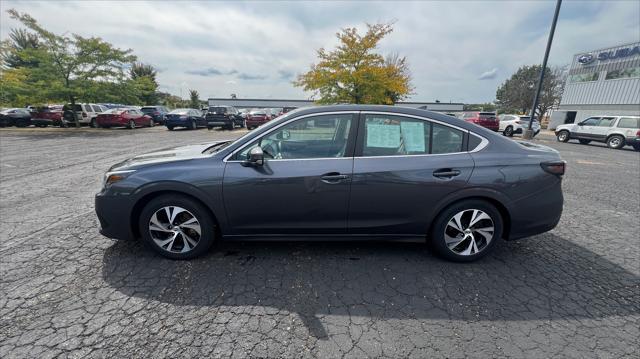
point(384, 136)
point(413, 136)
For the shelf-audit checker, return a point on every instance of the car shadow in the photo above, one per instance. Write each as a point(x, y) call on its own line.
point(541, 278)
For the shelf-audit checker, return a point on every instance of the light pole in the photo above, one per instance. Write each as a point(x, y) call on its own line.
point(528, 133)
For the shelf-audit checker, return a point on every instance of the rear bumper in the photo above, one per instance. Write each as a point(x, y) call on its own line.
point(218, 122)
point(537, 213)
point(255, 123)
point(114, 214)
point(176, 123)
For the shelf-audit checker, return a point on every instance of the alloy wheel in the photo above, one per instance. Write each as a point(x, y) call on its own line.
point(469, 232)
point(174, 229)
point(615, 142)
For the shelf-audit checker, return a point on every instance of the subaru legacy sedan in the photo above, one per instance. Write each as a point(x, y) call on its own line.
point(343, 172)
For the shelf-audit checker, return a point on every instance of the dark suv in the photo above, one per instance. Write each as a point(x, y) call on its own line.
point(157, 113)
point(224, 116)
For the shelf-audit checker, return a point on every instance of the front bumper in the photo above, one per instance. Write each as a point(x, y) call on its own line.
point(114, 214)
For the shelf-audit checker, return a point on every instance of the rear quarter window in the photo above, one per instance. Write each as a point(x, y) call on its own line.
point(629, 122)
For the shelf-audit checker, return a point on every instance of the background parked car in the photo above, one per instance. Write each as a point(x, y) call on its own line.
point(185, 117)
point(157, 113)
point(257, 118)
point(124, 117)
point(85, 112)
point(615, 131)
point(47, 116)
point(512, 124)
point(485, 119)
point(19, 117)
point(224, 116)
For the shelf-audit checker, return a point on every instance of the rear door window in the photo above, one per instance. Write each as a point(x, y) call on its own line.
point(606, 122)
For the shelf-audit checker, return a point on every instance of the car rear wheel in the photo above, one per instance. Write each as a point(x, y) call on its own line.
point(170, 128)
point(636, 147)
point(508, 131)
point(192, 125)
point(616, 142)
point(131, 125)
point(563, 136)
point(466, 231)
point(177, 227)
point(94, 123)
point(152, 123)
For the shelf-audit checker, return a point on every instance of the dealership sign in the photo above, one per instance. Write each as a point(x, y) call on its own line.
point(609, 55)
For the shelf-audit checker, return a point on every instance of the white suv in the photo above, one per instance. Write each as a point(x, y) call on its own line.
point(615, 131)
point(86, 113)
point(511, 124)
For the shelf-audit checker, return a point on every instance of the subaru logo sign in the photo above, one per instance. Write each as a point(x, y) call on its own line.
point(586, 59)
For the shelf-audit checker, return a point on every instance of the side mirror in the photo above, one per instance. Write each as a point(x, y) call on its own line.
point(254, 158)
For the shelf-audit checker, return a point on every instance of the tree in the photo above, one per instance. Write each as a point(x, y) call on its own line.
point(516, 94)
point(354, 73)
point(71, 65)
point(194, 101)
point(19, 46)
point(143, 77)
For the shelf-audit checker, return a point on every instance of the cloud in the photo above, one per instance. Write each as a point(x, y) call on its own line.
point(210, 72)
point(488, 75)
point(285, 75)
point(244, 76)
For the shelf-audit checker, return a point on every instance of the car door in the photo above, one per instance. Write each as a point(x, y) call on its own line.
point(303, 185)
point(600, 131)
point(585, 128)
point(403, 167)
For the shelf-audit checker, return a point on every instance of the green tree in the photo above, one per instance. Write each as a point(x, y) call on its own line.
point(19, 49)
point(72, 66)
point(355, 73)
point(194, 99)
point(516, 94)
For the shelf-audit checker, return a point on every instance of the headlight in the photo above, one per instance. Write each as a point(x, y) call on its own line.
point(115, 176)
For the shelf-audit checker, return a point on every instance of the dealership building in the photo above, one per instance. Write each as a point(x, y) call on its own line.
point(601, 82)
point(448, 107)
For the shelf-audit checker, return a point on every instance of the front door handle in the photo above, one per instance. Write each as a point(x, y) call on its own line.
point(446, 173)
point(333, 177)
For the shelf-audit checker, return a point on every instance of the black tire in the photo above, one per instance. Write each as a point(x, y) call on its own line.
point(152, 123)
point(508, 131)
point(202, 215)
point(170, 128)
point(192, 125)
point(93, 123)
point(616, 142)
point(230, 127)
point(437, 233)
point(636, 147)
point(20, 123)
point(243, 124)
point(562, 136)
point(131, 125)
point(209, 128)
point(584, 142)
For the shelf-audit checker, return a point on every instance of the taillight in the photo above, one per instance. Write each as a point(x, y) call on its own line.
point(84, 114)
point(554, 167)
point(638, 133)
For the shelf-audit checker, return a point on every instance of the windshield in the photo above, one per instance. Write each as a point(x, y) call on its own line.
point(180, 111)
point(148, 109)
point(116, 110)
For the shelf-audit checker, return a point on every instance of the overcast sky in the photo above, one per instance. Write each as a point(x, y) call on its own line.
point(458, 51)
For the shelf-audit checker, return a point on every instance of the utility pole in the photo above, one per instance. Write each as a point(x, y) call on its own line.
point(528, 133)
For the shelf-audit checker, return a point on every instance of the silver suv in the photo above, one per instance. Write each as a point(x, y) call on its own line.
point(615, 131)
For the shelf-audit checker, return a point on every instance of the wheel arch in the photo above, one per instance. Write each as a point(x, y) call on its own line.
point(488, 196)
point(147, 197)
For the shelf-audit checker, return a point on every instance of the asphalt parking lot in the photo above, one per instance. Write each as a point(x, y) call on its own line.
point(68, 291)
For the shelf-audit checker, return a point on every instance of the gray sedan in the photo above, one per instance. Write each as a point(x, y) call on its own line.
point(354, 172)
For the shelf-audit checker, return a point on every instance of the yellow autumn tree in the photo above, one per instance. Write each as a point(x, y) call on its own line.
point(355, 73)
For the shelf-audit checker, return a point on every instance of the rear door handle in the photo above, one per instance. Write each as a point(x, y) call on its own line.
point(333, 177)
point(445, 173)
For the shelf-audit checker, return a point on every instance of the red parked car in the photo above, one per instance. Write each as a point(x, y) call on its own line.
point(257, 118)
point(124, 117)
point(487, 120)
point(47, 116)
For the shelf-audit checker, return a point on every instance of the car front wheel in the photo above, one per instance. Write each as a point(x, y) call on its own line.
point(131, 125)
point(563, 136)
point(466, 231)
point(177, 227)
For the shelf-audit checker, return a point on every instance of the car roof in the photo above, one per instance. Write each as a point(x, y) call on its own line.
point(400, 110)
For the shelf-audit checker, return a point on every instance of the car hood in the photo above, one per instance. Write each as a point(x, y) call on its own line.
point(566, 126)
point(165, 155)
